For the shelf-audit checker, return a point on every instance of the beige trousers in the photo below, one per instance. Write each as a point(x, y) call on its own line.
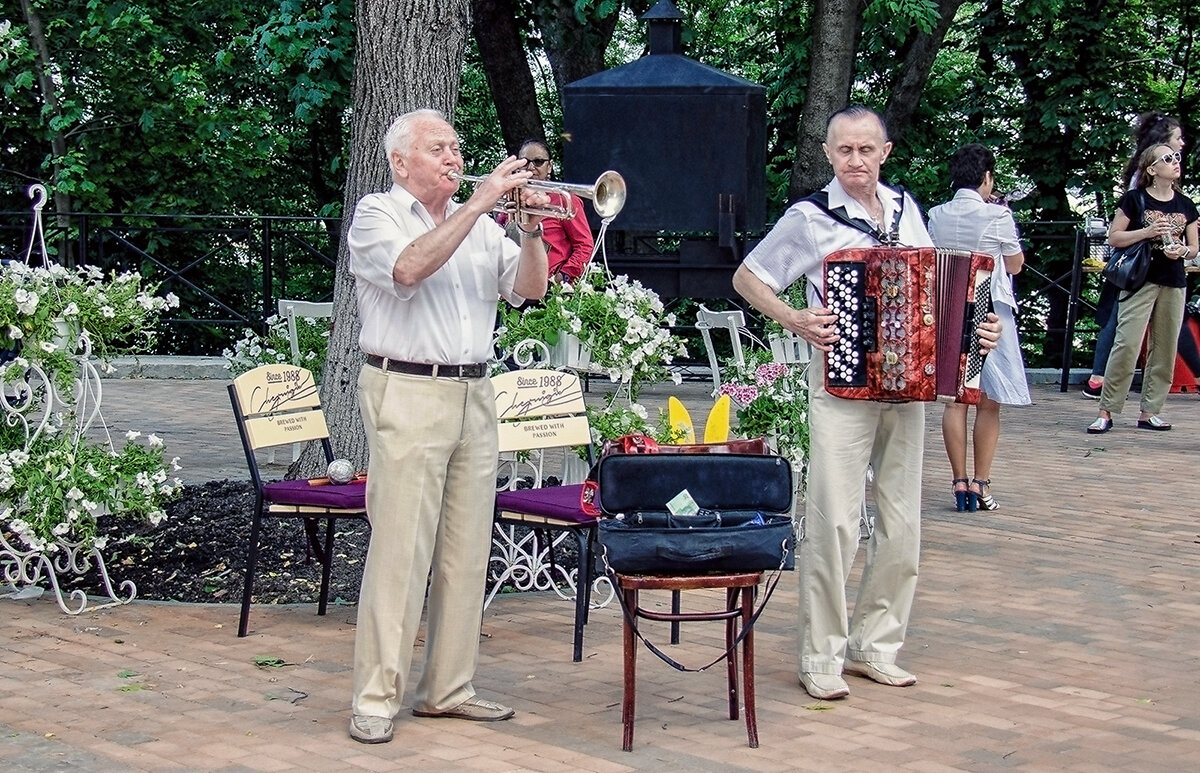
point(847, 435)
point(430, 494)
point(1157, 309)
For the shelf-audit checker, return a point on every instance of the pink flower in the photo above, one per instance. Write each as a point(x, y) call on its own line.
point(769, 372)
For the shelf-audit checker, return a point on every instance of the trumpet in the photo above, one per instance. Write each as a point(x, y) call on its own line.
point(607, 195)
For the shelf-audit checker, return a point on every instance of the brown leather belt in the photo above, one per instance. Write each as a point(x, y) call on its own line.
point(469, 370)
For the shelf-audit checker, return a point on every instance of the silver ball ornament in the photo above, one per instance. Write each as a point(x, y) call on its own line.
point(340, 471)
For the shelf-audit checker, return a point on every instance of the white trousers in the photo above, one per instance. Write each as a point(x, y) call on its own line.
point(430, 494)
point(847, 435)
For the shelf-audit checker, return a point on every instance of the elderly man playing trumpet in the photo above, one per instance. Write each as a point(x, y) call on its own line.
point(428, 272)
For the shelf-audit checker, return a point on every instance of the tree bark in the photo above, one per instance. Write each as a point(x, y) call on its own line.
point(506, 65)
point(918, 61)
point(408, 55)
point(575, 50)
point(836, 28)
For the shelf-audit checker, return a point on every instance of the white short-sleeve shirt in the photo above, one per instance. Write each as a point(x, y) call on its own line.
point(800, 240)
point(450, 316)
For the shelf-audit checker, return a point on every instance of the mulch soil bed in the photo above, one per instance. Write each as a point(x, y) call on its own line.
point(198, 554)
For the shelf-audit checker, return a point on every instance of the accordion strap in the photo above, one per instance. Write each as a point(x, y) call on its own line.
point(820, 199)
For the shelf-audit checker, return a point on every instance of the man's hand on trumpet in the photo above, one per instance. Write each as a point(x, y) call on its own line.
point(506, 180)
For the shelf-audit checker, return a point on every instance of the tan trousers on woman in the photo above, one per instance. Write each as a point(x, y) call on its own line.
point(431, 487)
point(1156, 309)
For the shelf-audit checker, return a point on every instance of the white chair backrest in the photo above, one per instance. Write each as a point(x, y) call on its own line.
point(732, 321)
point(280, 404)
point(540, 409)
point(290, 310)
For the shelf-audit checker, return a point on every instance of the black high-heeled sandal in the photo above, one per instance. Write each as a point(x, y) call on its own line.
point(963, 500)
point(986, 501)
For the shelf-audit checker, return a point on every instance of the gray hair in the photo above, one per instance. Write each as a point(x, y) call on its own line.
point(399, 135)
point(856, 112)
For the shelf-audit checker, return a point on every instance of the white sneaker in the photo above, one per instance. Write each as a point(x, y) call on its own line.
point(884, 673)
point(825, 687)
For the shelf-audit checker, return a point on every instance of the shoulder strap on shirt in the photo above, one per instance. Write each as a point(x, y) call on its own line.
point(820, 199)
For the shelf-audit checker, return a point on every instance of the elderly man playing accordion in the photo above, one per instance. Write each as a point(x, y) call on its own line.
point(849, 435)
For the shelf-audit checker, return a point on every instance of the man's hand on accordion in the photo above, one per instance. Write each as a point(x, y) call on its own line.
point(816, 325)
point(989, 334)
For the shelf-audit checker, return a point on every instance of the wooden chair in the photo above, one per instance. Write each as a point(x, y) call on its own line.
point(541, 421)
point(740, 588)
point(275, 405)
point(642, 487)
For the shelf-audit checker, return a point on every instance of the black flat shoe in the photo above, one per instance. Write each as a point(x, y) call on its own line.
point(1101, 425)
point(1154, 423)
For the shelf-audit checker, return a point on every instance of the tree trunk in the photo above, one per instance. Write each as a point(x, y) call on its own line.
point(506, 65)
point(575, 50)
point(836, 27)
point(918, 61)
point(408, 55)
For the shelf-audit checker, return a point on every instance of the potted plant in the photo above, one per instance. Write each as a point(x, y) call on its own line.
point(44, 312)
point(57, 478)
point(622, 324)
point(771, 401)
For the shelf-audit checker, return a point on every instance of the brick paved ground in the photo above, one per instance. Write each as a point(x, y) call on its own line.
point(1056, 634)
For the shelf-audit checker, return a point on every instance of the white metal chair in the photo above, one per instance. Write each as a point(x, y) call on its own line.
point(735, 323)
point(291, 310)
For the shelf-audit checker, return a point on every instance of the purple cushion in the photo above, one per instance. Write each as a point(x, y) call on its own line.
point(558, 502)
point(351, 496)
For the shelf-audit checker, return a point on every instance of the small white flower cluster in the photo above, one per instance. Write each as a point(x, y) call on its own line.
point(41, 308)
point(254, 349)
point(625, 325)
point(60, 486)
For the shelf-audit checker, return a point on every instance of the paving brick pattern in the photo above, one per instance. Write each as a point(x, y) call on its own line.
point(1058, 633)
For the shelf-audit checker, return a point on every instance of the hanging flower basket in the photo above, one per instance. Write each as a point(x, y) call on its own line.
point(570, 352)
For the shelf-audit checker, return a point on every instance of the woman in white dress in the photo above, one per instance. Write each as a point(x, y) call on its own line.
point(970, 222)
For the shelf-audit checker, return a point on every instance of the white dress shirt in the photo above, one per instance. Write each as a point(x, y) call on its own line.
point(448, 318)
point(799, 242)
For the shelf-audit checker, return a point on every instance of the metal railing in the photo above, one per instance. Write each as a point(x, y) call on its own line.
point(231, 271)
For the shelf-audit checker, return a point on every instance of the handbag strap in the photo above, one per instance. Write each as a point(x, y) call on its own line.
point(631, 620)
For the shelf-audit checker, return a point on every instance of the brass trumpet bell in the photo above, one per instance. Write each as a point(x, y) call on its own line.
point(607, 195)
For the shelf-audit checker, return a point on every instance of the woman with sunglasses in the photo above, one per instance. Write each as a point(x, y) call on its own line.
point(569, 242)
point(1168, 219)
point(1152, 128)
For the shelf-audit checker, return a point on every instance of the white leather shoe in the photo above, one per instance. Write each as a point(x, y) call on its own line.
point(884, 673)
point(825, 687)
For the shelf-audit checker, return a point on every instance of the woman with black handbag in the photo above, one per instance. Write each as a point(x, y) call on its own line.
point(1169, 220)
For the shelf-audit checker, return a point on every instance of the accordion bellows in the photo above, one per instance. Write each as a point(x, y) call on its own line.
point(906, 319)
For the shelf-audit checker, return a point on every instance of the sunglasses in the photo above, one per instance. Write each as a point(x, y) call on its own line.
point(537, 162)
point(1167, 158)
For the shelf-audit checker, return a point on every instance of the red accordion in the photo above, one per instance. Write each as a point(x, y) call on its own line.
point(906, 320)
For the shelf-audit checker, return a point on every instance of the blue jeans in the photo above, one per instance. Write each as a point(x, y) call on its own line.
point(1106, 318)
